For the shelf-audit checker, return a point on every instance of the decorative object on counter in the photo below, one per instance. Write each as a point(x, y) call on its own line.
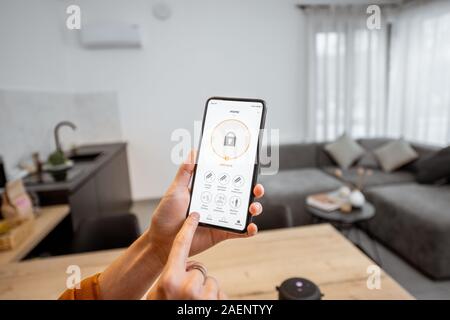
point(299, 289)
point(16, 203)
point(13, 233)
point(58, 165)
point(17, 211)
point(37, 165)
point(3, 179)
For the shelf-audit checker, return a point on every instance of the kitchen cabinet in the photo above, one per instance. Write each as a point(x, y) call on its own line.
point(98, 185)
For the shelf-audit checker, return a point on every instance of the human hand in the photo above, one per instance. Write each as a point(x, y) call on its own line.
point(182, 280)
point(171, 213)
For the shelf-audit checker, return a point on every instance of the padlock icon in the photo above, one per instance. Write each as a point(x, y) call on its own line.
point(230, 140)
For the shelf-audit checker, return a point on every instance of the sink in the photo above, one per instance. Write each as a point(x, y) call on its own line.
point(85, 157)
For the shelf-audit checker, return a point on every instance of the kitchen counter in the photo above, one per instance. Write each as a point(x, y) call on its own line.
point(84, 169)
point(45, 222)
point(98, 184)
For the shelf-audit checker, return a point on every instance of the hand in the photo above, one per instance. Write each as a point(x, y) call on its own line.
point(171, 213)
point(181, 280)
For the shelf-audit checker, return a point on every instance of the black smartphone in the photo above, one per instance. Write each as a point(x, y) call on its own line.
point(227, 163)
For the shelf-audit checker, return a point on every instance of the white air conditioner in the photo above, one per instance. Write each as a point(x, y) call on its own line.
point(110, 35)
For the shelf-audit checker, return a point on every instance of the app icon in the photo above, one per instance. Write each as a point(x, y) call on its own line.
point(223, 219)
point(224, 178)
point(230, 139)
point(206, 197)
point(238, 181)
point(209, 177)
point(220, 199)
point(235, 202)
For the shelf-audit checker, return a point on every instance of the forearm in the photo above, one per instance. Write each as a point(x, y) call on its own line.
point(133, 273)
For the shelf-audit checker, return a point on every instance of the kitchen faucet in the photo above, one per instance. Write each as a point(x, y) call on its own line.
point(56, 132)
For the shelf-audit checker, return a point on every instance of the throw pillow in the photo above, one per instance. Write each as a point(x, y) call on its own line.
point(368, 160)
point(395, 154)
point(344, 151)
point(434, 168)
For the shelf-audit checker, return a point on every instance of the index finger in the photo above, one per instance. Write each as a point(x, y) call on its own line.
point(182, 242)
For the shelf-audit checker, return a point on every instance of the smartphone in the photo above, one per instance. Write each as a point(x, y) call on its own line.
point(227, 163)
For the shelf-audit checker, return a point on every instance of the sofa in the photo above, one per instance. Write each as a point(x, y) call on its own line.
point(411, 219)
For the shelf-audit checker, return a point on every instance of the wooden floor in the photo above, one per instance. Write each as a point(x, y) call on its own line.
point(246, 268)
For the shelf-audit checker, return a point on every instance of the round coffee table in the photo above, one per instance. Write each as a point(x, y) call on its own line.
point(365, 213)
point(348, 223)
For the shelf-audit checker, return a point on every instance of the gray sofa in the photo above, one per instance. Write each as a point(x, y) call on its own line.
point(411, 219)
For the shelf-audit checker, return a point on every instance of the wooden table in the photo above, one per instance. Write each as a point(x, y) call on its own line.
point(47, 220)
point(246, 268)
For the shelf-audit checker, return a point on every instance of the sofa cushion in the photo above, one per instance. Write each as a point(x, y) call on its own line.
point(345, 151)
point(296, 156)
point(434, 168)
point(368, 160)
point(291, 187)
point(395, 154)
point(414, 220)
point(377, 178)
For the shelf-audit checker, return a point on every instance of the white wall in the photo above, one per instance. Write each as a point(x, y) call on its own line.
point(29, 117)
point(248, 48)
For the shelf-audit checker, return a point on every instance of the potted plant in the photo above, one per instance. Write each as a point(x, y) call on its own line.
point(58, 165)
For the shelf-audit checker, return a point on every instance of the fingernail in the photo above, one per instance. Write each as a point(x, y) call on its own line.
point(195, 215)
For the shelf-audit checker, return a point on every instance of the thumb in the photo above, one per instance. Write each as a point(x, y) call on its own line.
point(184, 173)
point(182, 242)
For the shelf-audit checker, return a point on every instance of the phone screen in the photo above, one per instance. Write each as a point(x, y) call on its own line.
point(227, 162)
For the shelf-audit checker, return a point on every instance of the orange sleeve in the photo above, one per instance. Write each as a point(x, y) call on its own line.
point(89, 290)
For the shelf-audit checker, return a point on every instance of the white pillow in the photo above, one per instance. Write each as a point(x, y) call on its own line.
point(395, 154)
point(345, 151)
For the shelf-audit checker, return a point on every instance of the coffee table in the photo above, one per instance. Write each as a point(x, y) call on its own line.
point(348, 223)
point(246, 268)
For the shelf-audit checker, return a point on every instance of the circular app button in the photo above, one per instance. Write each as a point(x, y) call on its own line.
point(230, 139)
point(206, 197)
point(220, 199)
point(209, 177)
point(238, 181)
point(224, 178)
point(235, 202)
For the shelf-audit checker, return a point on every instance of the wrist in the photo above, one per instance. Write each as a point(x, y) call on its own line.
point(154, 251)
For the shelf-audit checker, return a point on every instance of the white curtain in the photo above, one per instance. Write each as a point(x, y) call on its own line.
point(419, 90)
point(346, 74)
point(375, 82)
